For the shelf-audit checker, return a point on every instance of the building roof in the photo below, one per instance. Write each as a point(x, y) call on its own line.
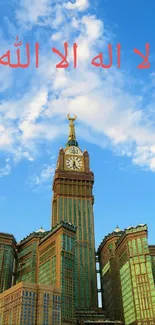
point(61, 224)
point(117, 229)
point(8, 236)
point(121, 234)
point(34, 234)
point(117, 232)
point(41, 230)
point(131, 230)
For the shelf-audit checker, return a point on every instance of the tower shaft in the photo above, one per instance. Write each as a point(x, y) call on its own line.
point(73, 202)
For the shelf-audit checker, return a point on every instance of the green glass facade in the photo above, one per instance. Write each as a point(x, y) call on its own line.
point(110, 282)
point(47, 265)
point(56, 266)
point(153, 266)
point(7, 261)
point(67, 270)
point(27, 263)
point(130, 261)
point(138, 290)
point(127, 295)
point(80, 213)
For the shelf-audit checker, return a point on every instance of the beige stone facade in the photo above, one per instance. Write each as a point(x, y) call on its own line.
point(30, 304)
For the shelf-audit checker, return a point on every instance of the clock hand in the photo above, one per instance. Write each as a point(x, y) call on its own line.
point(74, 165)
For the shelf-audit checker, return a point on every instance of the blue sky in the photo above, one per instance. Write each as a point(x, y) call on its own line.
point(115, 109)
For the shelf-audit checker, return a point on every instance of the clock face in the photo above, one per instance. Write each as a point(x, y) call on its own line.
point(74, 163)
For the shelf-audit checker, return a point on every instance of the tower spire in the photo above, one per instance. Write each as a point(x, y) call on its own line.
point(72, 136)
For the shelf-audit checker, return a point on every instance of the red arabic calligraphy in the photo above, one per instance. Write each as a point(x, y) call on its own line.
point(64, 63)
point(5, 59)
point(145, 64)
point(97, 61)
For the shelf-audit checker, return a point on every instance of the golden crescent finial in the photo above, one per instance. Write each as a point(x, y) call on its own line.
point(71, 136)
point(71, 118)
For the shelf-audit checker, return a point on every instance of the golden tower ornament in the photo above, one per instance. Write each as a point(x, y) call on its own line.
point(71, 135)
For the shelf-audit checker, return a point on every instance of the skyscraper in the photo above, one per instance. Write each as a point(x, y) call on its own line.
point(7, 261)
point(73, 202)
point(127, 255)
point(56, 266)
point(110, 282)
point(45, 266)
point(26, 264)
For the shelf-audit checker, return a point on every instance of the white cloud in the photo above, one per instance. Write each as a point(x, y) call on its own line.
point(152, 164)
point(77, 5)
point(108, 112)
point(44, 176)
point(57, 36)
point(92, 28)
point(29, 12)
point(5, 78)
point(4, 171)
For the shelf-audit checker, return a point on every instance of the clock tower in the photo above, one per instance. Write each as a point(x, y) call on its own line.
point(73, 202)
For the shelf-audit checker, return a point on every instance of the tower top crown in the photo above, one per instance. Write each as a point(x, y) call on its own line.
point(72, 136)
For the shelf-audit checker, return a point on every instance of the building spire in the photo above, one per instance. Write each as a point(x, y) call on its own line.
point(72, 136)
